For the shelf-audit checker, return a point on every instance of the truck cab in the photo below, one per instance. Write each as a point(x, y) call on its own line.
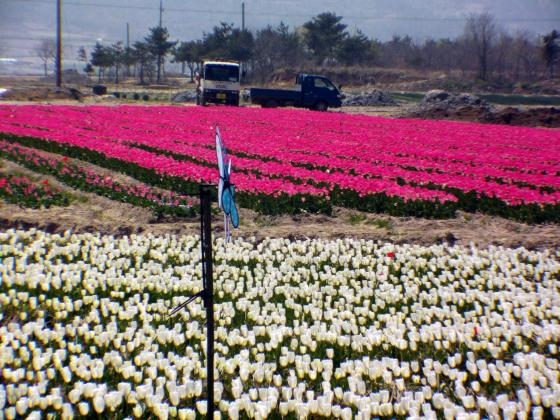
point(318, 92)
point(218, 82)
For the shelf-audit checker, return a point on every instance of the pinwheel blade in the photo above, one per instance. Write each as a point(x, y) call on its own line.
point(234, 215)
point(220, 192)
point(220, 152)
point(227, 199)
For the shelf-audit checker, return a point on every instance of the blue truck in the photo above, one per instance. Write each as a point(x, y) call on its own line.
point(312, 91)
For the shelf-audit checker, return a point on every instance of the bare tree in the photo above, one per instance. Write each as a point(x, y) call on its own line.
point(144, 61)
point(526, 55)
point(480, 32)
point(504, 57)
point(551, 50)
point(82, 55)
point(189, 54)
point(117, 57)
point(398, 52)
point(275, 48)
point(441, 54)
point(46, 51)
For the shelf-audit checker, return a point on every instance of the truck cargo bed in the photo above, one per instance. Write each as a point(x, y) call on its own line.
point(275, 97)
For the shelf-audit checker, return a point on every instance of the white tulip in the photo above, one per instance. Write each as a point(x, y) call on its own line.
point(98, 403)
point(137, 410)
point(201, 407)
point(10, 413)
point(468, 402)
point(22, 405)
point(74, 396)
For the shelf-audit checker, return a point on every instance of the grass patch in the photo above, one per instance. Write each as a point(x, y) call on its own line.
point(262, 220)
point(409, 97)
point(356, 218)
point(503, 99)
point(78, 198)
point(381, 223)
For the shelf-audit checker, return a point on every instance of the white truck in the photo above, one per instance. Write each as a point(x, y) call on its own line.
point(218, 82)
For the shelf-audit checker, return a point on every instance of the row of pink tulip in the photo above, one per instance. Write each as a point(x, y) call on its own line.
point(74, 175)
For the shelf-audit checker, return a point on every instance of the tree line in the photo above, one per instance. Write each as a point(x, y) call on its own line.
point(484, 50)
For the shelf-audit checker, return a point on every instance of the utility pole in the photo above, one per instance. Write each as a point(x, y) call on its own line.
point(58, 43)
point(243, 16)
point(160, 13)
point(127, 49)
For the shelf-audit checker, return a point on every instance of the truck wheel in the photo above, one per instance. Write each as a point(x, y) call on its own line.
point(321, 106)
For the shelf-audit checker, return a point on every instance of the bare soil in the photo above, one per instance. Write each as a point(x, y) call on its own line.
point(92, 213)
point(530, 116)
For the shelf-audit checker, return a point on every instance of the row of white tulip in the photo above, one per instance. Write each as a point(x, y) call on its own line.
point(345, 328)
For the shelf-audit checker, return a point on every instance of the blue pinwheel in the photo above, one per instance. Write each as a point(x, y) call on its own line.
point(226, 190)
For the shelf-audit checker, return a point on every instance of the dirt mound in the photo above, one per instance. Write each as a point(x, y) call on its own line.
point(372, 98)
point(185, 96)
point(439, 104)
point(536, 117)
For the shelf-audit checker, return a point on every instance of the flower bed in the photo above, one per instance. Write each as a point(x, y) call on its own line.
point(292, 160)
point(161, 202)
point(331, 329)
point(27, 193)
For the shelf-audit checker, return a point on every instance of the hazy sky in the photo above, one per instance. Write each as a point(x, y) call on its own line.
point(23, 23)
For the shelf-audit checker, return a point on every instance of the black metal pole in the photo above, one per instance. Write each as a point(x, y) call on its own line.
point(207, 279)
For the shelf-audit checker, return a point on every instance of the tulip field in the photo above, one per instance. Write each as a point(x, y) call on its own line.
point(288, 161)
point(29, 194)
point(304, 329)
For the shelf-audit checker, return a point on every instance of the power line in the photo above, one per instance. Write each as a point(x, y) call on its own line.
point(69, 38)
point(118, 6)
point(21, 56)
point(291, 15)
